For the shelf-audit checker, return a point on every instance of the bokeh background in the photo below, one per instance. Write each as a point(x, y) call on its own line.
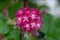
point(51, 20)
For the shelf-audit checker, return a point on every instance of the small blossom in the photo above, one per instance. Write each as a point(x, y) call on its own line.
point(28, 19)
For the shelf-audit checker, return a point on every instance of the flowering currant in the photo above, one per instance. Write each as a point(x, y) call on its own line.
point(28, 19)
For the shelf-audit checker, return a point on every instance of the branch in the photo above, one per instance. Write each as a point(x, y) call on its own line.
point(5, 12)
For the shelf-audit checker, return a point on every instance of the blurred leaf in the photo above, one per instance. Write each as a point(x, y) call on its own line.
point(5, 39)
point(57, 28)
point(54, 30)
point(50, 38)
point(13, 35)
point(13, 8)
point(48, 26)
point(47, 20)
point(3, 25)
point(43, 6)
point(26, 36)
point(3, 28)
point(11, 27)
point(57, 23)
point(2, 17)
point(51, 27)
point(3, 3)
point(34, 5)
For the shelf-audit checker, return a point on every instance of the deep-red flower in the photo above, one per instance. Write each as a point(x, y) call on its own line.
point(28, 19)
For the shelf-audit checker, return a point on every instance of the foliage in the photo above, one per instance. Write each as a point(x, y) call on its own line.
point(50, 27)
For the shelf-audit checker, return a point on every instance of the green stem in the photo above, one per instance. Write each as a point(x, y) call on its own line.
point(33, 37)
point(29, 36)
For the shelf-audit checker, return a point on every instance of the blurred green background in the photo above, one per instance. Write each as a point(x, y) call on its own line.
point(51, 25)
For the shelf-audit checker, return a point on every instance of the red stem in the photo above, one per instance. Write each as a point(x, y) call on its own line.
point(43, 12)
point(5, 12)
point(1, 36)
point(25, 3)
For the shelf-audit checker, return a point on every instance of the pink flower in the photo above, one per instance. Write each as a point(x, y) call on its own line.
point(28, 19)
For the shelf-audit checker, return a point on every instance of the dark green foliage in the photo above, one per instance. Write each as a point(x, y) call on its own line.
point(3, 3)
point(2, 17)
point(41, 35)
point(13, 8)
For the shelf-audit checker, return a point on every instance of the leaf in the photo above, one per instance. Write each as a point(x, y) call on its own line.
point(57, 28)
point(14, 34)
point(57, 23)
point(5, 39)
point(50, 38)
point(3, 2)
point(3, 28)
point(51, 27)
point(13, 8)
point(47, 20)
point(2, 17)
point(48, 26)
point(27, 36)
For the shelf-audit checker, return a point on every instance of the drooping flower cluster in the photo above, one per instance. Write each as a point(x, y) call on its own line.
point(28, 19)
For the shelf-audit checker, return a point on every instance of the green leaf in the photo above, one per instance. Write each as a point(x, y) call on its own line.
point(48, 26)
point(47, 20)
point(13, 9)
point(51, 27)
point(57, 28)
point(2, 17)
point(14, 34)
point(5, 38)
point(3, 28)
point(57, 23)
point(50, 38)
point(3, 3)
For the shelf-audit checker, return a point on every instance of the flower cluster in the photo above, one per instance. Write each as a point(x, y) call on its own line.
point(28, 19)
